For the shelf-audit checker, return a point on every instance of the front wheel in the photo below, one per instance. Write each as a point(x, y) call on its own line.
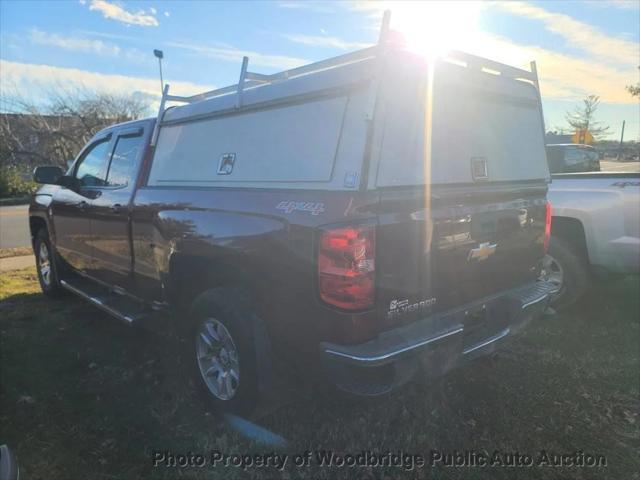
point(46, 265)
point(567, 270)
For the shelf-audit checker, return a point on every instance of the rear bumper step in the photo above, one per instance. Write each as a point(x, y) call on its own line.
point(437, 343)
point(367, 356)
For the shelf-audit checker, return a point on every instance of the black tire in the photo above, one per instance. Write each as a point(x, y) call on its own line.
point(231, 309)
point(575, 281)
point(49, 282)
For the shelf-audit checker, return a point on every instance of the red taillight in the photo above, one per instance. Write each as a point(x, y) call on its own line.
point(346, 267)
point(547, 226)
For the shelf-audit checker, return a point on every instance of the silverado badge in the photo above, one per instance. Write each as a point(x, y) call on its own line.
point(482, 251)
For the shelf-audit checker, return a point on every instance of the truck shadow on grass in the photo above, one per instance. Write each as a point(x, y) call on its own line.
point(84, 397)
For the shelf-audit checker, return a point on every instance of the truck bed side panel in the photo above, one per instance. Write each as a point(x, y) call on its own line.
point(268, 235)
point(608, 207)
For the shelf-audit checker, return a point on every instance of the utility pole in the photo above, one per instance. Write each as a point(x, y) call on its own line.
point(621, 138)
point(159, 55)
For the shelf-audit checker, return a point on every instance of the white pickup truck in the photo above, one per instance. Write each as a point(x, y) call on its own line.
point(596, 228)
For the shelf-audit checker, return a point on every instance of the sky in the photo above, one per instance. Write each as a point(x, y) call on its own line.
point(580, 47)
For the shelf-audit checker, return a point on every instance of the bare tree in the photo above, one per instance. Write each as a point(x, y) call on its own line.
point(634, 90)
point(583, 117)
point(53, 132)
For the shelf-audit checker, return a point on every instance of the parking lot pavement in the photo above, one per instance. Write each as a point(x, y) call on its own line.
point(613, 166)
point(14, 226)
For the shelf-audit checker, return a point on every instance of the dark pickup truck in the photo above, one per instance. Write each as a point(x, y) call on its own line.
point(369, 219)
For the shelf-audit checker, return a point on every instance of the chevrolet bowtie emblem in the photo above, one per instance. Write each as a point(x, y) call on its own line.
point(482, 252)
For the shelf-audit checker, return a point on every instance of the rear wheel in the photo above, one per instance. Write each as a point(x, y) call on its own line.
point(222, 346)
point(567, 270)
point(217, 357)
point(46, 265)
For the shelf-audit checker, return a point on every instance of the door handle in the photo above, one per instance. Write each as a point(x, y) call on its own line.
point(116, 208)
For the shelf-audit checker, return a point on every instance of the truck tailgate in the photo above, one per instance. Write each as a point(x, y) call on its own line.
point(463, 179)
point(454, 246)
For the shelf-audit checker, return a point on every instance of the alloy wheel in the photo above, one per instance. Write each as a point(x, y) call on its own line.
point(44, 264)
point(218, 360)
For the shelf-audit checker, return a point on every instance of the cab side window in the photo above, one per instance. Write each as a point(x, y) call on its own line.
point(573, 156)
point(92, 170)
point(124, 161)
point(555, 159)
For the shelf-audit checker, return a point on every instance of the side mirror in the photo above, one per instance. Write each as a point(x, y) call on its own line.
point(47, 174)
point(69, 182)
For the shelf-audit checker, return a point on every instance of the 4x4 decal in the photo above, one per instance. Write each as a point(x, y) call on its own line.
point(314, 208)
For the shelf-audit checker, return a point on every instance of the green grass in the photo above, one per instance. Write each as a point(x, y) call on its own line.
point(83, 397)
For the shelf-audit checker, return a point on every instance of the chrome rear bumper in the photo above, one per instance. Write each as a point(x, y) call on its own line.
point(437, 343)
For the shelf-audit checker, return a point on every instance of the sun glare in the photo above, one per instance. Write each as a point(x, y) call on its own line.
point(435, 27)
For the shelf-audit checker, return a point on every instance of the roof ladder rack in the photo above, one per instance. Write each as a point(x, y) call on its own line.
point(250, 80)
